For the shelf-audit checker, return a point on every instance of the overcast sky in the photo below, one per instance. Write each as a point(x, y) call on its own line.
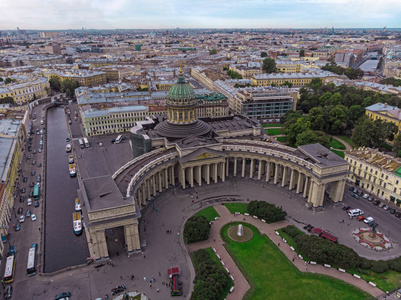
point(110, 14)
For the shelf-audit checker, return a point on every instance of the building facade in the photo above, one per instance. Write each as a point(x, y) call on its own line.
point(385, 112)
point(297, 79)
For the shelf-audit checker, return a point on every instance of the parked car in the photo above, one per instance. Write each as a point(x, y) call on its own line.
point(33, 217)
point(32, 184)
point(39, 178)
point(368, 220)
point(350, 189)
point(360, 218)
point(23, 190)
point(33, 173)
point(392, 211)
point(397, 214)
point(36, 203)
point(62, 295)
point(355, 196)
point(21, 199)
point(381, 205)
point(25, 179)
point(30, 194)
point(39, 165)
point(17, 227)
point(34, 162)
point(34, 151)
point(385, 207)
point(376, 203)
point(28, 156)
point(28, 213)
point(346, 207)
point(29, 202)
point(20, 210)
point(366, 196)
point(22, 219)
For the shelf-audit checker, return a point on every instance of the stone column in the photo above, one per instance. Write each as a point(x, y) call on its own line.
point(235, 167)
point(252, 168)
point(208, 173)
point(276, 173)
point(99, 244)
point(311, 188)
point(154, 185)
point(131, 236)
point(268, 163)
point(159, 175)
point(166, 179)
point(292, 177)
point(243, 168)
point(199, 175)
point(317, 196)
point(226, 164)
point(260, 170)
point(138, 199)
point(306, 186)
point(183, 181)
point(143, 193)
point(148, 189)
point(191, 176)
point(215, 171)
point(300, 182)
point(337, 190)
point(284, 180)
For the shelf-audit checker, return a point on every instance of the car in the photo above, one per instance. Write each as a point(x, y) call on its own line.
point(30, 194)
point(33, 173)
point(25, 179)
point(67, 139)
point(351, 189)
point(355, 196)
point(32, 184)
point(392, 211)
point(36, 203)
point(17, 227)
point(113, 141)
point(34, 162)
point(346, 207)
point(381, 205)
point(62, 295)
point(39, 165)
point(8, 292)
point(28, 213)
point(371, 223)
point(366, 196)
point(23, 190)
point(40, 150)
point(29, 149)
point(376, 203)
point(21, 199)
point(368, 220)
point(39, 178)
point(20, 210)
point(22, 219)
point(28, 156)
point(370, 199)
point(397, 214)
point(385, 207)
point(33, 217)
point(34, 151)
point(360, 218)
point(29, 202)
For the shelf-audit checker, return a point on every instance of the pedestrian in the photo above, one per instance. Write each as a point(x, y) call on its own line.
point(121, 277)
point(306, 269)
point(144, 278)
point(293, 259)
point(157, 290)
point(214, 240)
point(144, 257)
point(150, 284)
point(305, 263)
point(279, 244)
point(160, 274)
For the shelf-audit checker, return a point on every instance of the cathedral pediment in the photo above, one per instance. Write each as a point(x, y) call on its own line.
point(202, 155)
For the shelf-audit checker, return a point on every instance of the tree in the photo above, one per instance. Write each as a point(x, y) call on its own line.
point(311, 137)
point(317, 118)
point(212, 51)
point(1, 79)
point(266, 211)
point(269, 65)
point(68, 86)
point(338, 119)
point(7, 100)
point(8, 80)
point(369, 133)
point(397, 145)
point(302, 53)
point(380, 63)
point(234, 75)
point(263, 54)
point(196, 229)
point(55, 84)
point(287, 83)
point(293, 129)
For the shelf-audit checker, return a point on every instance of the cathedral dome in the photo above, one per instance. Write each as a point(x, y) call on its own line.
point(181, 92)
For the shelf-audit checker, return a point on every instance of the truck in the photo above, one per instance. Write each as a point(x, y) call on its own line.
point(175, 283)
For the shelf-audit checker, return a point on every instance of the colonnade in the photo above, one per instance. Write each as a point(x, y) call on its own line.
point(263, 168)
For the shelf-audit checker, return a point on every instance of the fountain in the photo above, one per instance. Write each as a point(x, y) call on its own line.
point(240, 230)
point(240, 233)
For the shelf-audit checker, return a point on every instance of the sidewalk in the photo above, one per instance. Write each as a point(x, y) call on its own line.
point(241, 286)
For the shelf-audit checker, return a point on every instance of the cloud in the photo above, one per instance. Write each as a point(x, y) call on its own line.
point(64, 14)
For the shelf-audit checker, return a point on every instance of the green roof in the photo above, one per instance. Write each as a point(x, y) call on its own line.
point(212, 97)
point(398, 172)
point(181, 90)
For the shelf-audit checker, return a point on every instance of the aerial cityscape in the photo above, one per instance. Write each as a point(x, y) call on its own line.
point(203, 150)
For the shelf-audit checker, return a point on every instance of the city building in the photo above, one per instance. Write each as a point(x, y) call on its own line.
point(25, 88)
point(378, 173)
point(297, 79)
point(83, 77)
point(384, 112)
point(287, 66)
point(213, 105)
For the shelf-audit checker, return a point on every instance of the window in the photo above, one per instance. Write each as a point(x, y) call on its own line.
point(386, 177)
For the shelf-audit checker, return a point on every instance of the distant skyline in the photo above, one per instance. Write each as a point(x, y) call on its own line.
point(159, 14)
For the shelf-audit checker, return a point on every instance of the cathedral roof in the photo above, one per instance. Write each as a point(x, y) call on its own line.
point(181, 90)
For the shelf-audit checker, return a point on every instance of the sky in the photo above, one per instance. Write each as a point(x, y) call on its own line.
point(158, 14)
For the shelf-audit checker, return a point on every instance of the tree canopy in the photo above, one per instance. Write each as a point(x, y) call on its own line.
point(212, 51)
point(351, 73)
point(269, 65)
point(196, 229)
point(263, 54)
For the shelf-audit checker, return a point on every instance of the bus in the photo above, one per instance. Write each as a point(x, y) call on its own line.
point(81, 143)
point(10, 266)
point(86, 142)
point(36, 192)
point(119, 139)
point(30, 268)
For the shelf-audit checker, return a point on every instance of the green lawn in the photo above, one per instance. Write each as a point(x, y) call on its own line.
point(347, 140)
point(337, 144)
point(272, 275)
point(213, 257)
point(265, 125)
point(237, 207)
point(339, 153)
point(274, 131)
point(209, 213)
point(386, 281)
point(275, 125)
point(282, 139)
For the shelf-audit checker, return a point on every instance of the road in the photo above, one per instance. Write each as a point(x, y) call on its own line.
point(62, 247)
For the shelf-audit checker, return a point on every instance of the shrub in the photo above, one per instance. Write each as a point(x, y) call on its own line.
point(365, 263)
point(196, 229)
point(395, 264)
point(291, 231)
point(379, 266)
point(263, 210)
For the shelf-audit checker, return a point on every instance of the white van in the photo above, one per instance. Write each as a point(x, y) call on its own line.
point(355, 212)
